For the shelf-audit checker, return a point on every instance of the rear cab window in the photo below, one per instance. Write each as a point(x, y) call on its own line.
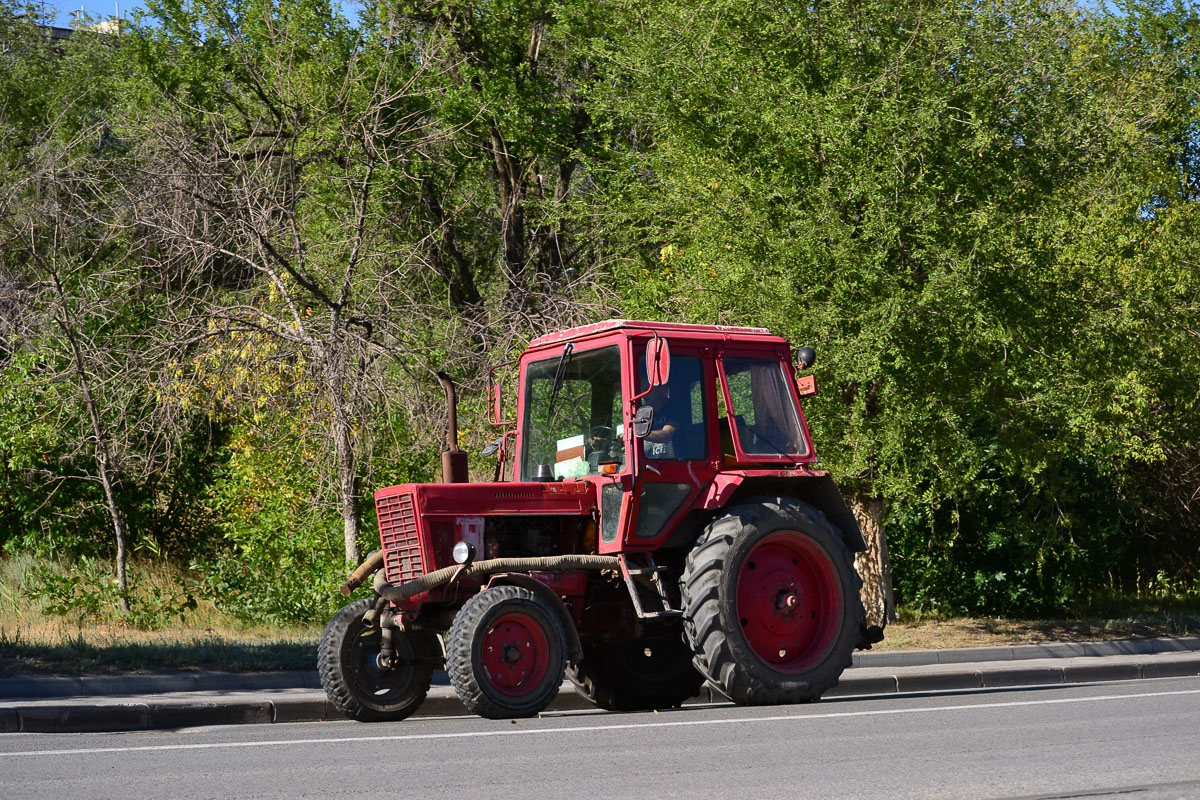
point(762, 409)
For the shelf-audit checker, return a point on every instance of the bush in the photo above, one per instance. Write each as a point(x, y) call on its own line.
point(281, 557)
point(1015, 548)
point(87, 591)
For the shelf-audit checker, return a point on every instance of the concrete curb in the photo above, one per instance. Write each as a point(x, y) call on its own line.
point(82, 716)
point(85, 717)
point(123, 685)
point(1118, 647)
point(1025, 674)
point(119, 685)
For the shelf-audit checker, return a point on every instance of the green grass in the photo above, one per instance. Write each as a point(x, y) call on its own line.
point(88, 654)
point(33, 642)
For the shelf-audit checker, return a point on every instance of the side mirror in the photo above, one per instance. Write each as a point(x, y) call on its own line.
point(643, 421)
point(658, 361)
point(806, 357)
point(495, 394)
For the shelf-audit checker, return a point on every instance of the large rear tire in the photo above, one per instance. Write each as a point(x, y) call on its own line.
point(648, 674)
point(771, 602)
point(506, 653)
point(349, 670)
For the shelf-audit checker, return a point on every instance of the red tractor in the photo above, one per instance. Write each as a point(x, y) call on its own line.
point(664, 526)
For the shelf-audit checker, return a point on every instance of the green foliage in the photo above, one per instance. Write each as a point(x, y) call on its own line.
point(984, 216)
point(280, 555)
point(40, 512)
point(277, 581)
point(87, 591)
point(967, 209)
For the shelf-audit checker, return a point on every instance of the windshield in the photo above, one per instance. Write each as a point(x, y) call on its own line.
point(584, 427)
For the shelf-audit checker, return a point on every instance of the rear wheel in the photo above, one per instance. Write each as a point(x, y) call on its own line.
point(771, 603)
point(347, 660)
point(650, 673)
point(506, 652)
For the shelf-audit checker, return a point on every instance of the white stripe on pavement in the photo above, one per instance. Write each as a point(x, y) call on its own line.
point(412, 737)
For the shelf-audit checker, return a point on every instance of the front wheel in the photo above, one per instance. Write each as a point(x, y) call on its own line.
point(348, 663)
point(771, 602)
point(506, 653)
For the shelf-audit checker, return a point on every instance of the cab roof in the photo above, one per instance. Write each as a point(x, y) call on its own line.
point(724, 332)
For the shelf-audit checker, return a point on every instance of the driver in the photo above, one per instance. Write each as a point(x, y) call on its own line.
point(658, 443)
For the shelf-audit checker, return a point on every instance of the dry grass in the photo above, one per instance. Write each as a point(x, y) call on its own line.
point(34, 643)
point(938, 634)
point(50, 650)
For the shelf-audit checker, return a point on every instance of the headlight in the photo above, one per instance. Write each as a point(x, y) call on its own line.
point(464, 553)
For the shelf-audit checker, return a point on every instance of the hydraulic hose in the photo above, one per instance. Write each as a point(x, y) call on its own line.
point(480, 568)
point(373, 562)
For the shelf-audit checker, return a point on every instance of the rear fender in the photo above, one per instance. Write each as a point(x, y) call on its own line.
point(574, 648)
point(818, 490)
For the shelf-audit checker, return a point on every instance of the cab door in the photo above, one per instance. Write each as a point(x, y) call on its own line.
point(677, 461)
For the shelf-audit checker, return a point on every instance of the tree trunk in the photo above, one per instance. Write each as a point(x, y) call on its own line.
point(343, 441)
point(510, 181)
point(549, 248)
point(347, 487)
point(872, 564)
point(103, 457)
point(118, 521)
point(457, 275)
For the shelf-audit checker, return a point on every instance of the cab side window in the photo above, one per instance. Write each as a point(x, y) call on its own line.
point(680, 429)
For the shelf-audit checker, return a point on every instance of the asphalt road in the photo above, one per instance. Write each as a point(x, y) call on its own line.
point(1129, 739)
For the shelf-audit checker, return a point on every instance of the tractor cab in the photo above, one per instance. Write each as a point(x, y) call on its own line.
point(650, 414)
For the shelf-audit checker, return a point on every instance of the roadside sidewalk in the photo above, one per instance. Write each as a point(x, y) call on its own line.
point(148, 702)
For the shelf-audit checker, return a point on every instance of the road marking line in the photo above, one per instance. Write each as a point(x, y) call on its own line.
point(410, 737)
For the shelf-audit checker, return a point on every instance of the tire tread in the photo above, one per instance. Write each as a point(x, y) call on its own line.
point(460, 662)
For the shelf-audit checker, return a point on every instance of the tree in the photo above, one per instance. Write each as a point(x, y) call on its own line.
point(324, 184)
point(495, 206)
point(80, 312)
point(270, 142)
point(945, 198)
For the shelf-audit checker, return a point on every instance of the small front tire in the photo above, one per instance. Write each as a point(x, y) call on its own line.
point(506, 653)
point(347, 663)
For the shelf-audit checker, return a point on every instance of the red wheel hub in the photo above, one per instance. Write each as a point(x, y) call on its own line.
point(789, 601)
point(515, 654)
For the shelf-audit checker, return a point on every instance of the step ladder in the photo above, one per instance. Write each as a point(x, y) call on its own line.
point(644, 580)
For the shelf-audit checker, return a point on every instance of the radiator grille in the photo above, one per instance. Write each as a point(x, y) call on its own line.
point(398, 533)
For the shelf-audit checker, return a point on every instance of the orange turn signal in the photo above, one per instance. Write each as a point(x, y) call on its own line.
point(609, 469)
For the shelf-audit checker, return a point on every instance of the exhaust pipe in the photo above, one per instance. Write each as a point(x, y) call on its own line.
point(454, 460)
